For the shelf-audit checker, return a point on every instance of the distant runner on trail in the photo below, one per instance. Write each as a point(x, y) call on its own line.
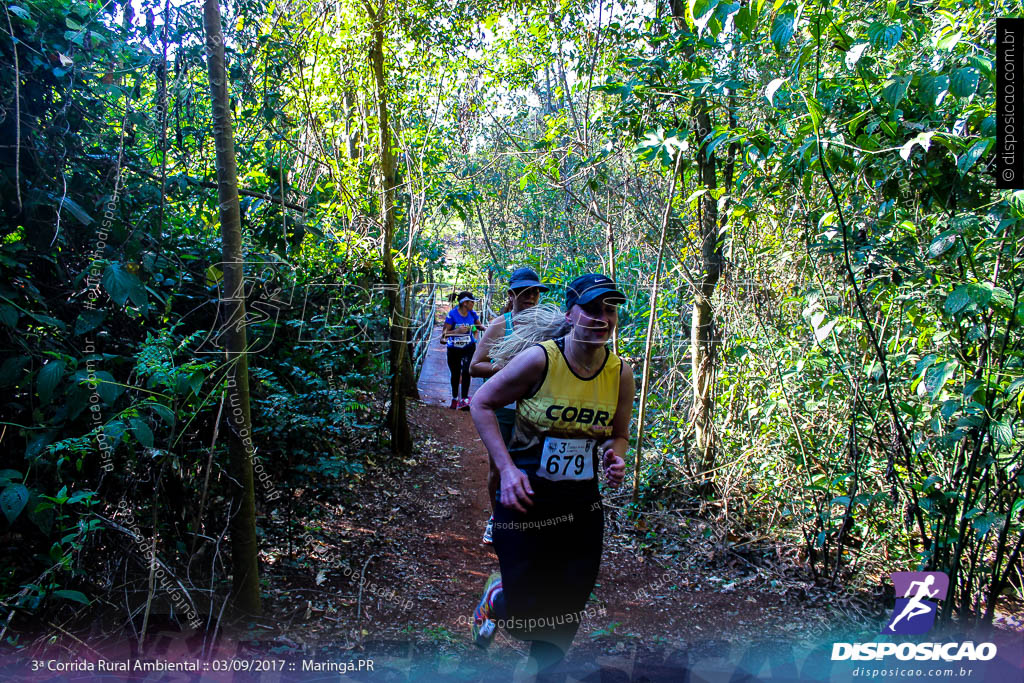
point(574, 398)
point(459, 336)
point(524, 289)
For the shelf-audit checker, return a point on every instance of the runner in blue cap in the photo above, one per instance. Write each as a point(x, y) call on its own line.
point(524, 289)
point(574, 400)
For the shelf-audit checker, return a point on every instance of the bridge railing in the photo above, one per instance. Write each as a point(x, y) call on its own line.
point(425, 309)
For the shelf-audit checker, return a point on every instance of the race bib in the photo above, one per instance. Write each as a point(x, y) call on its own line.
point(567, 459)
point(460, 340)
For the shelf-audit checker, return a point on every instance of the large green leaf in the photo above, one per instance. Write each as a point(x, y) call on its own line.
point(983, 523)
point(782, 29)
point(971, 156)
point(724, 10)
point(165, 413)
point(702, 12)
point(772, 88)
point(9, 316)
point(89, 320)
point(957, 300)
point(895, 89)
point(932, 90)
point(746, 22)
point(1014, 386)
point(107, 387)
point(816, 111)
point(942, 243)
point(949, 39)
point(12, 501)
point(76, 210)
point(963, 296)
point(936, 377)
point(122, 285)
point(142, 431)
point(1002, 432)
point(1001, 299)
point(49, 376)
point(884, 37)
point(963, 82)
point(38, 443)
point(74, 596)
point(114, 430)
point(20, 12)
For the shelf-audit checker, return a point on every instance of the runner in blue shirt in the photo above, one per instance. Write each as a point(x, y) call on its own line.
point(458, 332)
point(524, 290)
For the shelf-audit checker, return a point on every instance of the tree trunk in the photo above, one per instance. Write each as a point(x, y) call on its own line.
point(351, 132)
point(244, 548)
point(702, 329)
point(401, 441)
point(408, 372)
point(702, 355)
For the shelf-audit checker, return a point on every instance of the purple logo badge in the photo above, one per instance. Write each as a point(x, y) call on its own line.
point(915, 595)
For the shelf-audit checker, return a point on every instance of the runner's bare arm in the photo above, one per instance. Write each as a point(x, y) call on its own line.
point(511, 383)
point(449, 330)
point(481, 365)
point(615, 448)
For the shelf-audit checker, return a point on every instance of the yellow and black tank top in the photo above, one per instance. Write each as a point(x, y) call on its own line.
point(565, 406)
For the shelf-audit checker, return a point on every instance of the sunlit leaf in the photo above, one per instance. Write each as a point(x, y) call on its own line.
point(923, 139)
point(942, 243)
point(746, 22)
point(772, 88)
point(854, 54)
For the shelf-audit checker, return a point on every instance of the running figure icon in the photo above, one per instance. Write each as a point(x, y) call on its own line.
point(916, 607)
point(914, 612)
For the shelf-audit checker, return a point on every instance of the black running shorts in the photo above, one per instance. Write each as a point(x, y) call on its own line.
point(549, 561)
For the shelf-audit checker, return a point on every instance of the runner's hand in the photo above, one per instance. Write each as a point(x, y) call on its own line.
point(515, 489)
point(614, 465)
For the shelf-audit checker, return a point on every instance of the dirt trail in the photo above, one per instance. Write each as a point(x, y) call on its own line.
point(412, 531)
point(643, 598)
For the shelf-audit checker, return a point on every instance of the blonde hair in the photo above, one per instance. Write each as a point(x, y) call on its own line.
point(533, 325)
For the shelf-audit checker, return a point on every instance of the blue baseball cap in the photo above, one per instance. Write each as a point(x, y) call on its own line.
point(525, 277)
point(586, 288)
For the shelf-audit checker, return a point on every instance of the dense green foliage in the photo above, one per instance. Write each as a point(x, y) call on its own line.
point(112, 377)
point(864, 276)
